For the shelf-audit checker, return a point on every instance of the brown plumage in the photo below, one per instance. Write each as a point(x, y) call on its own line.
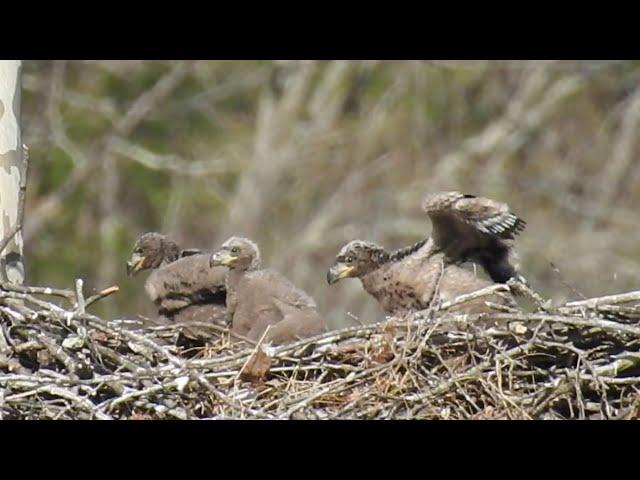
point(186, 281)
point(182, 284)
point(150, 251)
point(410, 279)
point(203, 312)
point(257, 298)
point(210, 313)
point(470, 228)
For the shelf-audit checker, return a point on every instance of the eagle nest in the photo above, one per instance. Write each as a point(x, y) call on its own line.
point(578, 360)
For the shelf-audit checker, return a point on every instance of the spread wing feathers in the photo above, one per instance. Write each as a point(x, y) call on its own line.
point(188, 280)
point(483, 214)
point(479, 229)
point(488, 216)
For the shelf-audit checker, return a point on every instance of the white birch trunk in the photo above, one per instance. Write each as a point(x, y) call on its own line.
point(11, 170)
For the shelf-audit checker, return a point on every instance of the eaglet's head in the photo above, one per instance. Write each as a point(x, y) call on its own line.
point(237, 253)
point(150, 251)
point(355, 259)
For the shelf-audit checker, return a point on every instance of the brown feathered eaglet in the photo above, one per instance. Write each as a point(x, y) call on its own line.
point(470, 228)
point(182, 284)
point(257, 298)
point(150, 251)
point(211, 313)
point(410, 279)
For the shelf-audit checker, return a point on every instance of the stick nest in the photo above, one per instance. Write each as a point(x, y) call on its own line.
point(578, 360)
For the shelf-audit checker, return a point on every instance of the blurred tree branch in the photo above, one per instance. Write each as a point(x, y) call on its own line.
point(622, 154)
point(84, 166)
point(538, 98)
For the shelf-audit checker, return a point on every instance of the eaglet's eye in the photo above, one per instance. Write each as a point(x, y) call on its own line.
point(349, 259)
point(235, 250)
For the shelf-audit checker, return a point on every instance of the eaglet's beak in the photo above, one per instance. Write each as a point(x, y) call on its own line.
point(221, 258)
point(338, 271)
point(134, 265)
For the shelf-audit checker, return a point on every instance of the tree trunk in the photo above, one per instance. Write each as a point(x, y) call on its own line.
point(12, 171)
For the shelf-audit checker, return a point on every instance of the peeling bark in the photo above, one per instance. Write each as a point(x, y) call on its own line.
point(11, 171)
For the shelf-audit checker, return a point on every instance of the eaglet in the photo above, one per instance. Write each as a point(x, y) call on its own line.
point(182, 284)
point(465, 228)
point(410, 279)
point(258, 298)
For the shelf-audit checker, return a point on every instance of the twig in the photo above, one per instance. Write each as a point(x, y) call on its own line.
point(473, 295)
point(67, 294)
point(633, 296)
point(101, 294)
point(62, 393)
point(80, 304)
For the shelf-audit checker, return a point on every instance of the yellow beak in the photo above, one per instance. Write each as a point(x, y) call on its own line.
point(338, 271)
point(221, 258)
point(134, 265)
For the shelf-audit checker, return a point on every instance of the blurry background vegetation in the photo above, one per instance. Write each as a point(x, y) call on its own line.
point(305, 156)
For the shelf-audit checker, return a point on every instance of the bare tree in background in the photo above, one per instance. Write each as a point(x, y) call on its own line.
point(12, 172)
point(305, 155)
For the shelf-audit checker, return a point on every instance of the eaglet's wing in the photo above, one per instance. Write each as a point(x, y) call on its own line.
point(272, 285)
point(265, 298)
point(466, 227)
point(451, 211)
point(187, 281)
